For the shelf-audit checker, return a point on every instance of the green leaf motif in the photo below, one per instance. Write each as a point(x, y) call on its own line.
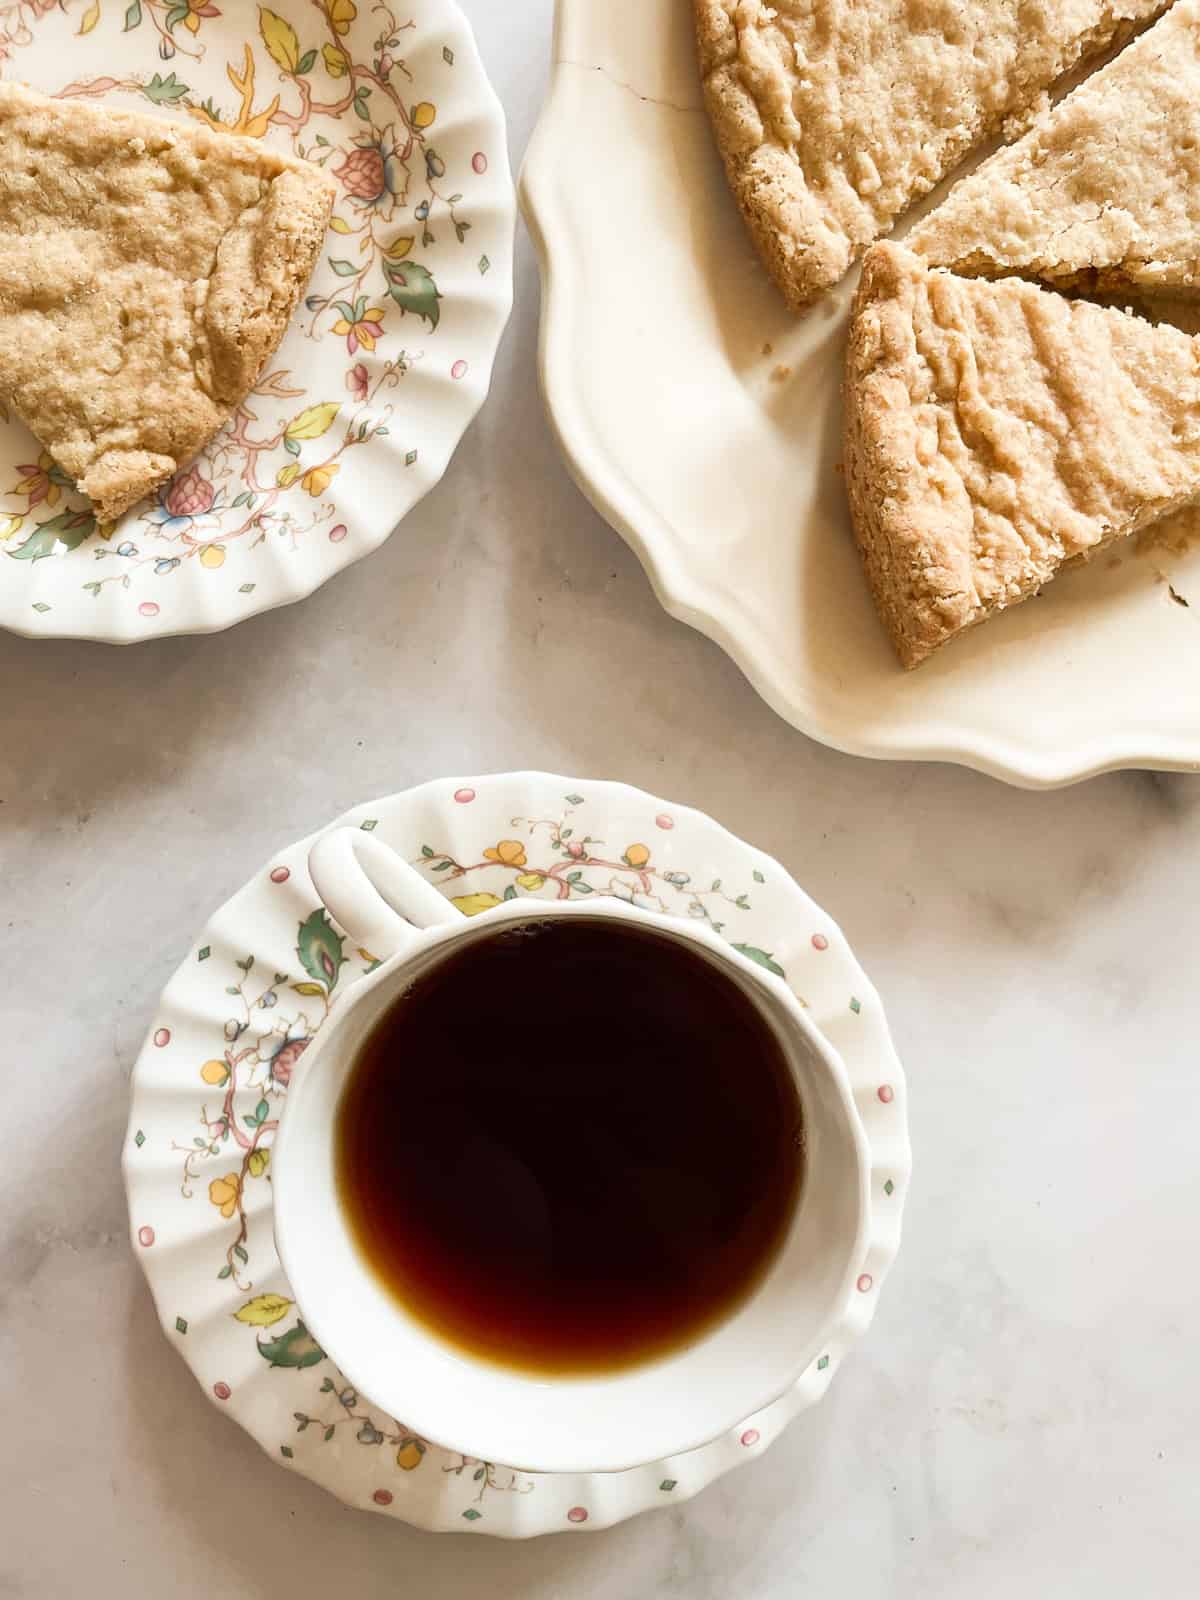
point(763, 957)
point(62, 533)
point(295, 1348)
point(307, 61)
point(176, 15)
point(133, 16)
point(321, 949)
point(574, 799)
point(164, 91)
point(412, 287)
point(344, 269)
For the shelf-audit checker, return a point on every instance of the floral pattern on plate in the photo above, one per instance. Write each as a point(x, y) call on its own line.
point(235, 1021)
point(388, 357)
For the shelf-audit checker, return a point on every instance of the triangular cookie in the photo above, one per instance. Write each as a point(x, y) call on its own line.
point(833, 116)
point(996, 431)
point(1104, 191)
point(147, 271)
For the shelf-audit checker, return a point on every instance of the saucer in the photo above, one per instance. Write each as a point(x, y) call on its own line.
point(254, 990)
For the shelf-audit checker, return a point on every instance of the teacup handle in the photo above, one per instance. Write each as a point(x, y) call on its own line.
point(382, 902)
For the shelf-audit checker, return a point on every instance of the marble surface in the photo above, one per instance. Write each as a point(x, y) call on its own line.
point(1024, 1415)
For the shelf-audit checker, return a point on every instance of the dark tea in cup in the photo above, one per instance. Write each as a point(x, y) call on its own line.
point(570, 1146)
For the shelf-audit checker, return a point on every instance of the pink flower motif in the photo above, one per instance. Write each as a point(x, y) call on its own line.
point(382, 1497)
point(358, 381)
point(820, 942)
point(280, 874)
point(162, 1037)
point(285, 1060)
point(886, 1093)
point(145, 1237)
point(750, 1437)
point(222, 1391)
point(575, 849)
point(190, 495)
point(577, 1514)
point(363, 174)
point(464, 796)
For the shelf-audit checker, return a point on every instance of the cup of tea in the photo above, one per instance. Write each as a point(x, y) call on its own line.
point(566, 1185)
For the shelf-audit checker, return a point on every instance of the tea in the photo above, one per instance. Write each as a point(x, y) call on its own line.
point(571, 1146)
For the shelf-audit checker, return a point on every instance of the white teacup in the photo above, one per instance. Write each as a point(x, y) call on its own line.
point(562, 1424)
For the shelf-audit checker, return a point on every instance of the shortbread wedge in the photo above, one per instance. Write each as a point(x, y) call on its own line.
point(147, 270)
point(833, 116)
point(997, 431)
point(1103, 193)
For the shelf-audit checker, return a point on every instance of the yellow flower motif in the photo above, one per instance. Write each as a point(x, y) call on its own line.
point(424, 114)
point(318, 479)
point(287, 476)
point(472, 904)
point(258, 1162)
point(509, 851)
point(341, 14)
point(337, 63)
point(215, 1073)
point(364, 330)
point(530, 880)
point(212, 556)
point(44, 480)
point(225, 1193)
point(410, 1454)
point(196, 10)
point(637, 856)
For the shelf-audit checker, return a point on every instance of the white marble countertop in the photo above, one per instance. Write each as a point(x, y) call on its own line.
point(1024, 1415)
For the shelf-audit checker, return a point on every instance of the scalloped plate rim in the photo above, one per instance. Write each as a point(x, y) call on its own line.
point(884, 1235)
point(615, 495)
point(490, 110)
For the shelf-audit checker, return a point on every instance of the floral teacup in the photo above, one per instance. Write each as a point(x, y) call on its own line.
point(568, 1424)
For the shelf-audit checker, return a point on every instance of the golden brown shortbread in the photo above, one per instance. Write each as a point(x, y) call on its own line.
point(996, 431)
point(1104, 191)
point(833, 116)
point(147, 270)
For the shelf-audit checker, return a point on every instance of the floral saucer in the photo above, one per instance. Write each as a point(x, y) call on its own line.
point(358, 412)
point(260, 981)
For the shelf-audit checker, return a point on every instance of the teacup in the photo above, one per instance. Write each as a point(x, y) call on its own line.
point(607, 1422)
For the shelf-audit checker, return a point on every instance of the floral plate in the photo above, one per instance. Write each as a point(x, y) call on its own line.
point(387, 361)
point(238, 1015)
point(703, 420)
